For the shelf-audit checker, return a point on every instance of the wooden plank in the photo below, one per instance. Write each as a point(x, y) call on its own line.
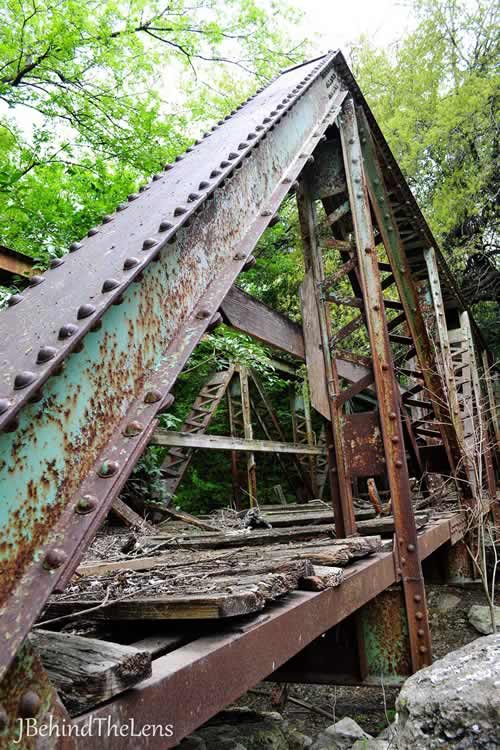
point(184, 517)
point(86, 671)
point(130, 517)
point(159, 644)
point(313, 347)
point(228, 443)
point(324, 577)
point(253, 317)
point(228, 595)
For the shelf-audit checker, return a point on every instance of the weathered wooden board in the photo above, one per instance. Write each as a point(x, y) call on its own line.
point(228, 443)
point(86, 671)
point(314, 354)
point(130, 517)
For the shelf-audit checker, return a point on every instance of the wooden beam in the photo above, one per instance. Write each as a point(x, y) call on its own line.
point(253, 317)
point(228, 443)
point(87, 671)
point(130, 517)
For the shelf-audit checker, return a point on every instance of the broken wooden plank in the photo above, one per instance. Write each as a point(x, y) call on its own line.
point(87, 671)
point(280, 520)
point(324, 578)
point(241, 538)
point(130, 517)
point(184, 517)
point(385, 524)
point(229, 443)
point(230, 593)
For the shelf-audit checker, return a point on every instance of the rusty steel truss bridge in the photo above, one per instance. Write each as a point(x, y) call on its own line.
point(93, 346)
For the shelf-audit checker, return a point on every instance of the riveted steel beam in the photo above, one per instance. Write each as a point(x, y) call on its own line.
point(90, 351)
point(387, 391)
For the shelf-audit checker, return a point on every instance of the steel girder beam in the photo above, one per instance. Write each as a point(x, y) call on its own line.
point(387, 391)
point(91, 350)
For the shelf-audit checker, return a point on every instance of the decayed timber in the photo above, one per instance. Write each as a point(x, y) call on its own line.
point(279, 520)
point(130, 517)
point(87, 671)
point(208, 594)
point(184, 517)
point(229, 443)
point(324, 578)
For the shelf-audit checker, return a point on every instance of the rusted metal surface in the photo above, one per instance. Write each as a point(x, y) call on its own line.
point(385, 635)
point(28, 701)
point(387, 391)
point(364, 446)
point(125, 357)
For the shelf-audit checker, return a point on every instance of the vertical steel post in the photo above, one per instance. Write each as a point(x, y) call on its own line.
point(387, 392)
point(248, 433)
point(232, 413)
point(492, 406)
point(340, 482)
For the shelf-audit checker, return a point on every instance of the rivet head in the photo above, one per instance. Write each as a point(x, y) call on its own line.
point(239, 256)
point(419, 616)
point(215, 321)
point(15, 299)
point(410, 547)
point(232, 156)
point(376, 307)
point(68, 330)
point(36, 280)
point(85, 311)
point(23, 380)
point(168, 167)
point(108, 469)
point(86, 504)
point(417, 598)
point(92, 232)
point(165, 226)
point(121, 207)
point(157, 177)
point(54, 559)
point(251, 136)
point(109, 285)
point(132, 429)
point(422, 649)
point(395, 439)
point(107, 218)
point(130, 263)
point(203, 185)
point(385, 366)
point(193, 197)
point(45, 354)
point(215, 173)
point(203, 314)
point(56, 262)
point(242, 146)
point(392, 415)
point(398, 464)
point(250, 263)
point(29, 705)
point(148, 242)
point(75, 246)
point(132, 197)
point(179, 210)
point(153, 396)
point(179, 157)
point(4, 405)
point(266, 120)
point(420, 633)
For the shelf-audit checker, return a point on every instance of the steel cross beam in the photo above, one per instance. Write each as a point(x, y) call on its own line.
point(408, 295)
point(91, 350)
point(387, 392)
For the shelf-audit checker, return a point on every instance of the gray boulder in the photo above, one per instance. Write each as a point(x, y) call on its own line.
point(371, 745)
point(480, 618)
point(455, 703)
point(340, 736)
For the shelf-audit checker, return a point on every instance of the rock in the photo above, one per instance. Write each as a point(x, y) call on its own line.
point(193, 742)
point(340, 736)
point(244, 729)
point(480, 618)
point(455, 703)
point(446, 602)
point(371, 745)
point(297, 740)
point(389, 733)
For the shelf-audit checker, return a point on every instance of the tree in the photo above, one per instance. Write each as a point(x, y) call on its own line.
point(435, 96)
point(98, 94)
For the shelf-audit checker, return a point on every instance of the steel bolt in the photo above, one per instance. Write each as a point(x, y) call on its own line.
point(54, 559)
point(29, 705)
point(376, 308)
point(203, 314)
point(419, 616)
point(417, 598)
point(152, 396)
point(392, 415)
point(133, 429)
point(411, 548)
point(399, 464)
point(108, 469)
point(395, 439)
point(86, 504)
point(420, 633)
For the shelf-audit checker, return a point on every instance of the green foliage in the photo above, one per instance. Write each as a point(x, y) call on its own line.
point(435, 96)
point(97, 95)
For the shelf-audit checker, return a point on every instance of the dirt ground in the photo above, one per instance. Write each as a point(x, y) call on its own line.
point(373, 707)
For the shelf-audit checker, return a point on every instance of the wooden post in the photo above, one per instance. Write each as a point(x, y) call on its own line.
point(233, 420)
